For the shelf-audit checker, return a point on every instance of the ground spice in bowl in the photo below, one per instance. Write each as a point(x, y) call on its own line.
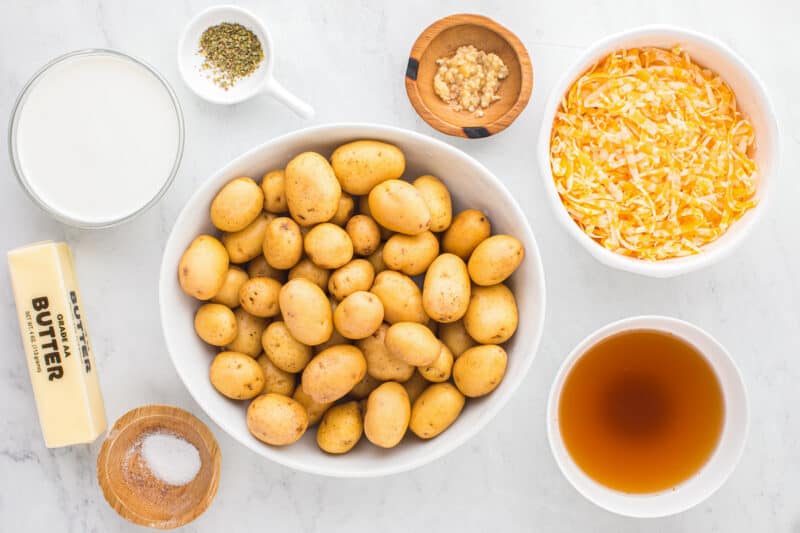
point(231, 52)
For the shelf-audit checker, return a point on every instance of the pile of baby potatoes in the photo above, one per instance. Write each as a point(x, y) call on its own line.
point(310, 293)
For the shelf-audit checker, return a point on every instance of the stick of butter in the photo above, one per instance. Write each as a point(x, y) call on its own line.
point(60, 360)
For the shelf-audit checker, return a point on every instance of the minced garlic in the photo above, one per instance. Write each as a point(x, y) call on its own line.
point(651, 156)
point(469, 79)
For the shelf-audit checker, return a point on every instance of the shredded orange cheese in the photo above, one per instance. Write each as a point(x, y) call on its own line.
point(651, 156)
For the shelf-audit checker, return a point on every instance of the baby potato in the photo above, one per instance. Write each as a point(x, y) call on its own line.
point(413, 343)
point(364, 387)
point(276, 419)
point(398, 206)
point(415, 385)
point(273, 185)
point(283, 243)
point(480, 370)
point(411, 254)
point(312, 190)
point(236, 375)
point(446, 289)
point(285, 352)
point(275, 379)
point(216, 324)
point(400, 296)
point(229, 293)
point(341, 428)
point(358, 315)
point(344, 210)
point(364, 234)
point(387, 416)
point(376, 259)
point(361, 165)
point(203, 268)
point(306, 311)
point(328, 246)
point(315, 410)
point(491, 317)
point(332, 373)
point(363, 208)
point(336, 339)
point(380, 364)
point(246, 244)
point(249, 331)
point(468, 229)
point(455, 337)
point(437, 198)
point(259, 297)
point(237, 204)
point(439, 370)
point(495, 259)
point(308, 270)
point(435, 410)
point(259, 268)
point(357, 275)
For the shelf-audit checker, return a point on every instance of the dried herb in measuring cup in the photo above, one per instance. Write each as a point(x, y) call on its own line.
point(231, 52)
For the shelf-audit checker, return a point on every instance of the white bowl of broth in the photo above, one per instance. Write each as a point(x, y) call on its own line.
point(647, 416)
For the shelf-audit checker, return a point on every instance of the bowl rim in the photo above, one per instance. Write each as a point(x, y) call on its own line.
point(499, 399)
point(668, 267)
point(465, 130)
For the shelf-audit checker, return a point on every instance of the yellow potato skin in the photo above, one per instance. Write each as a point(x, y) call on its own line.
point(440, 369)
point(341, 428)
point(312, 190)
point(387, 416)
point(236, 375)
point(398, 206)
point(229, 293)
point(446, 289)
point(363, 388)
point(259, 268)
point(333, 372)
point(314, 410)
point(308, 270)
point(246, 244)
point(215, 324)
point(411, 254)
point(455, 337)
point(306, 311)
point(357, 275)
point(437, 198)
point(259, 297)
point(400, 296)
point(203, 268)
point(491, 317)
point(275, 379)
point(361, 165)
point(276, 419)
point(413, 343)
point(467, 230)
point(344, 210)
point(415, 385)
point(249, 331)
point(285, 352)
point(435, 410)
point(358, 316)
point(480, 370)
point(364, 234)
point(380, 364)
point(236, 204)
point(283, 243)
point(495, 259)
point(273, 185)
point(328, 246)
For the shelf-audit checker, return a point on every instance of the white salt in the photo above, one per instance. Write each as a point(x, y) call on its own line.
point(170, 458)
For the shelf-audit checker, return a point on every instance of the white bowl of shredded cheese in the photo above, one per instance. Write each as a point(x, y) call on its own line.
point(658, 158)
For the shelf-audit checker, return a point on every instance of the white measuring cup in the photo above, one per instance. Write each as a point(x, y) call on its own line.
point(262, 80)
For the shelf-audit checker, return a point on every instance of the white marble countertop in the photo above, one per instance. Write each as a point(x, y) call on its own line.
point(348, 59)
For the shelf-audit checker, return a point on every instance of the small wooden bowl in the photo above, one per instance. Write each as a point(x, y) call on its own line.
point(442, 39)
point(138, 496)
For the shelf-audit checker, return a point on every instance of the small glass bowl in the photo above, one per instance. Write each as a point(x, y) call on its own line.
point(15, 159)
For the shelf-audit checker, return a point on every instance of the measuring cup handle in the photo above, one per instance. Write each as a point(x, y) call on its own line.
point(279, 92)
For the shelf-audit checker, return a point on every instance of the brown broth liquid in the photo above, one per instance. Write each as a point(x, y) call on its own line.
point(641, 411)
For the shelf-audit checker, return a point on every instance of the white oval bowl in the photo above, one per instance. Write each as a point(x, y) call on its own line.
point(471, 186)
point(706, 480)
point(752, 99)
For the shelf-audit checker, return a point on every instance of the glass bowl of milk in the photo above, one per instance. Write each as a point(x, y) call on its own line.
point(96, 137)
